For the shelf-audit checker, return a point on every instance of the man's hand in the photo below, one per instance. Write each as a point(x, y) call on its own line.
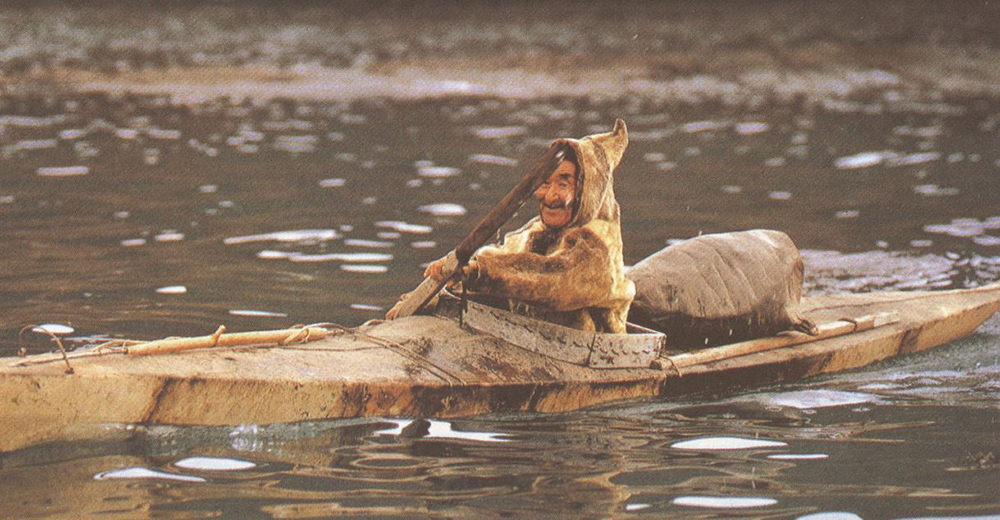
point(391, 315)
point(435, 270)
point(472, 273)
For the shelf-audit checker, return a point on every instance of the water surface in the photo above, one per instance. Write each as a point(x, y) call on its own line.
point(199, 165)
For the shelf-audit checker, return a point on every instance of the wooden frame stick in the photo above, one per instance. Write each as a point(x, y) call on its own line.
point(290, 336)
point(827, 330)
point(219, 339)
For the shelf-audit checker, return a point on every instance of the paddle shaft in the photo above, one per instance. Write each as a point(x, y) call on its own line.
point(484, 230)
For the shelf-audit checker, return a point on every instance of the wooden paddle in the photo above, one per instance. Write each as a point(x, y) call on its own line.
point(483, 232)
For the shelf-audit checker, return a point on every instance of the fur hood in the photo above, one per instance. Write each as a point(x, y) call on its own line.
point(597, 156)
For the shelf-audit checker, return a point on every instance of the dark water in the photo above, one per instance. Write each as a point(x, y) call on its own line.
point(314, 211)
point(143, 215)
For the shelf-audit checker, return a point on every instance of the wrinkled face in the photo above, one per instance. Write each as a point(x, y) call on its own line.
point(556, 196)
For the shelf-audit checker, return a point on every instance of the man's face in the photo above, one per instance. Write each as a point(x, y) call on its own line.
point(556, 196)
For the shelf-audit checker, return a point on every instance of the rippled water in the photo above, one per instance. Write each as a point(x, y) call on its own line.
point(143, 215)
point(884, 443)
point(134, 216)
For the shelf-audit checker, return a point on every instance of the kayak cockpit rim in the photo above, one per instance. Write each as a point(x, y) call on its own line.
point(636, 349)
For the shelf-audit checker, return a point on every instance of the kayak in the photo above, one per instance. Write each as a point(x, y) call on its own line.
point(465, 359)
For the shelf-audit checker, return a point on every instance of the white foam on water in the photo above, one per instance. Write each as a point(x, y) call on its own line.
point(798, 456)
point(169, 236)
point(751, 127)
point(31, 122)
point(443, 430)
point(811, 399)
point(169, 135)
point(482, 158)
point(36, 144)
point(254, 313)
point(53, 328)
point(861, 160)
point(500, 132)
point(438, 171)
point(915, 158)
point(702, 126)
point(376, 244)
point(343, 257)
point(269, 254)
point(723, 502)
point(364, 268)
point(933, 190)
point(332, 183)
point(144, 473)
point(666, 166)
point(775, 162)
point(70, 134)
point(987, 240)
point(832, 515)
point(444, 209)
point(403, 227)
point(214, 464)
point(365, 307)
point(133, 242)
point(953, 230)
point(726, 443)
point(127, 134)
point(293, 144)
point(298, 235)
point(636, 507)
point(172, 289)
point(63, 171)
point(423, 244)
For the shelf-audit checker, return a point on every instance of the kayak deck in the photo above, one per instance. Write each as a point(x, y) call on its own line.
point(428, 366)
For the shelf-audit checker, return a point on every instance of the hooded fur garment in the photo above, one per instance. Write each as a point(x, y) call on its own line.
point(573, 276)
point(718, 289)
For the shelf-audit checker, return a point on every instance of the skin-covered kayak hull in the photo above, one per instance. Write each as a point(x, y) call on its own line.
point(429, 366)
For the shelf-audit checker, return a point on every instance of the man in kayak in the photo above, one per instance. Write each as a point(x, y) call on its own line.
point(564, 266)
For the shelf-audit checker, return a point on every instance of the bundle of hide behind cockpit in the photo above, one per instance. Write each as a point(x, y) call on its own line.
point(719, 289)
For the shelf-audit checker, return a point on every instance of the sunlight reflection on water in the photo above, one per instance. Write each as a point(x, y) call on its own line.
point(442, 430)
point(214, 464)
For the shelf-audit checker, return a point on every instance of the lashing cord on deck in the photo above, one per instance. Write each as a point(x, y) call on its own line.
point(431, 367)
point(298, 335)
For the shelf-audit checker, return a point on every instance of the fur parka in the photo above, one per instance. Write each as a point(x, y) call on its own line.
point(573, 275)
